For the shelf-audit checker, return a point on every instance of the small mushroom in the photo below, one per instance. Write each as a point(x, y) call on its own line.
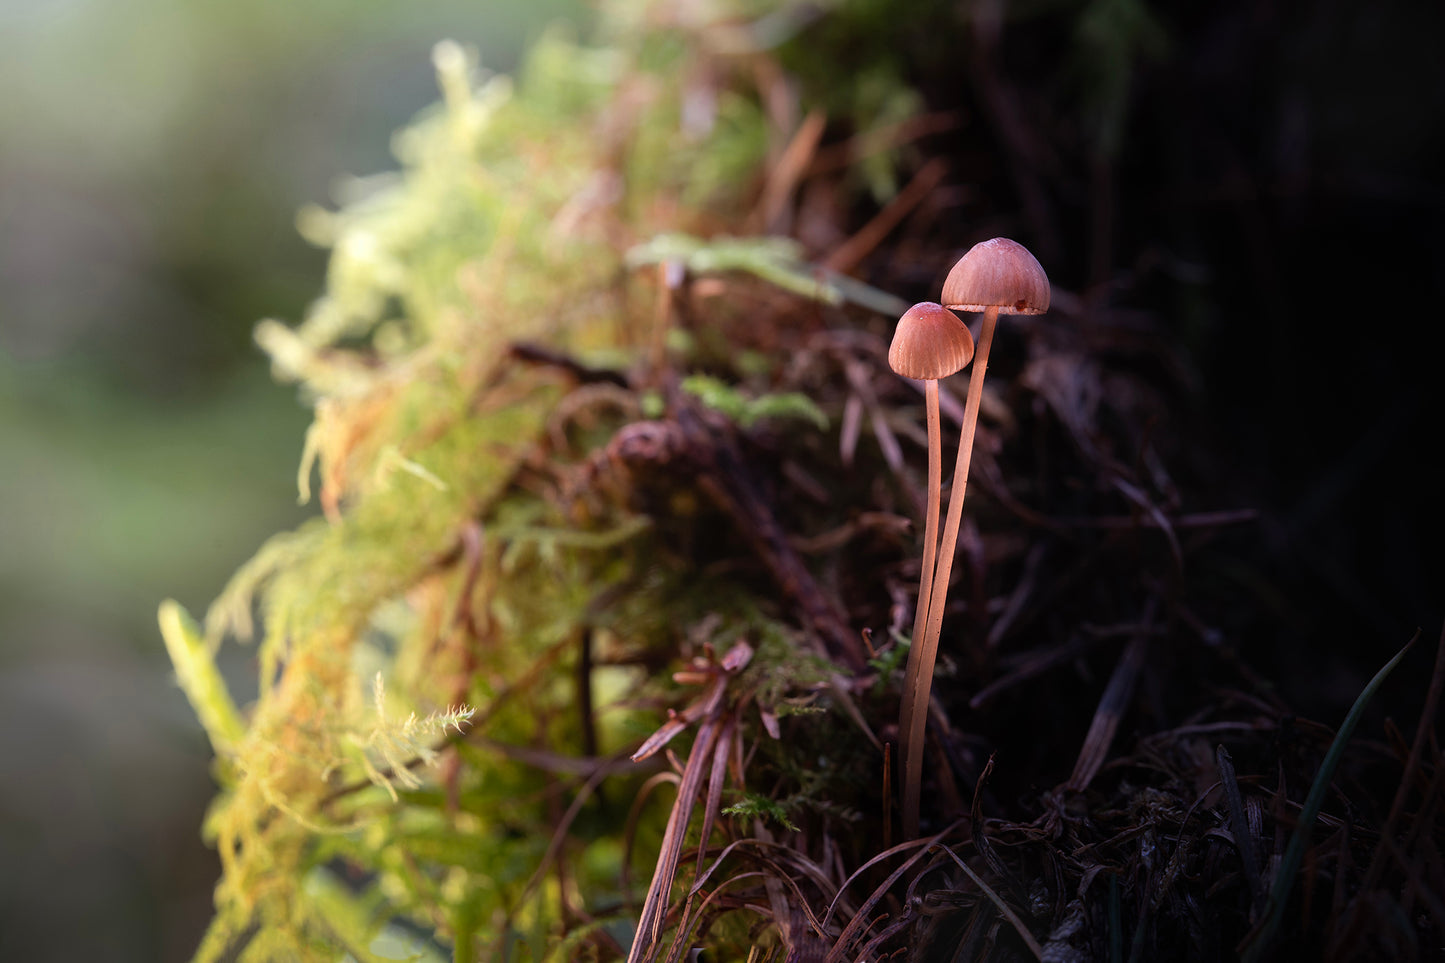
point(996, 277)
point(929, 343)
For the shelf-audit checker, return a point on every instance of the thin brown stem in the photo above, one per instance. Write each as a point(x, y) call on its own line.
point(919, 683)
point(935, 499)
point(930, 551)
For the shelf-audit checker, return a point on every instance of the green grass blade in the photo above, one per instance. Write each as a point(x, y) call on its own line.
point(1264, 934)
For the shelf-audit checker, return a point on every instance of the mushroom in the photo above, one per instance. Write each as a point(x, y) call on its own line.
point(929, 343)
point(997, 276)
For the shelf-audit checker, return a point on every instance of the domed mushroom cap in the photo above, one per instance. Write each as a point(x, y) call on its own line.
point(997, 274)
point(930, 342)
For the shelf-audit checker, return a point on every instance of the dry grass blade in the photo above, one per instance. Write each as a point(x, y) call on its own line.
point(887, 795)
point(842, 691)
point(880, 857)
point(980, 838)
point(1004, 908)
point(851, 252)
point(850, 932)
point(850, 430)
point(709, 755)
point(654, 907)
point(1019, 598)
point(858, 378)
point(664, 734)
point(1034, 664)
point(800, 864)
point(688, 926)
point(634, 814)
point(1147, 506)
point(679, 721)
point(1193, 520)
point(1239, 825)
point(836, 157)
point(883, 936)
point(715, 784)
point(790, 168)
point(1113, 703)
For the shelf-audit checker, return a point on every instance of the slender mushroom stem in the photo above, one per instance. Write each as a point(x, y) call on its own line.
point(930, 549)
point(935, 499)
point(919, 679)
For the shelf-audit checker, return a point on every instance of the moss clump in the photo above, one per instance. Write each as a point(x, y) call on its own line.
point(477, 547)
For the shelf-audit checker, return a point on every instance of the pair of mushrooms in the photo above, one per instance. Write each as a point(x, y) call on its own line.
point(996, 277)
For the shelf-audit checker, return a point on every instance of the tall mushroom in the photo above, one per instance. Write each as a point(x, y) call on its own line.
point(929, 343)
point(996, 277)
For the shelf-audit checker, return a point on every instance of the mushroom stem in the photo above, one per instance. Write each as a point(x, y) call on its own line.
point(930, 551)
point(935, 501)
point(919, 678)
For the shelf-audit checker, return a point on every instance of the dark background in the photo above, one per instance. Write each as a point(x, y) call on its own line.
point(1264, 184)
point(1261, 180)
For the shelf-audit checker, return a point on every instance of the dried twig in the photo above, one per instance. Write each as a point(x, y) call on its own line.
point(1113, 703)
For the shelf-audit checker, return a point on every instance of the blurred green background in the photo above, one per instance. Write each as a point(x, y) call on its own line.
point(153, 154)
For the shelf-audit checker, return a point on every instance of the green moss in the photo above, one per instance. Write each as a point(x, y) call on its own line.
point(747, 411)
point(463, 560)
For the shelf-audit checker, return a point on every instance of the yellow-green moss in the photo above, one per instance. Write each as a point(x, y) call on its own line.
point(448, 566)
